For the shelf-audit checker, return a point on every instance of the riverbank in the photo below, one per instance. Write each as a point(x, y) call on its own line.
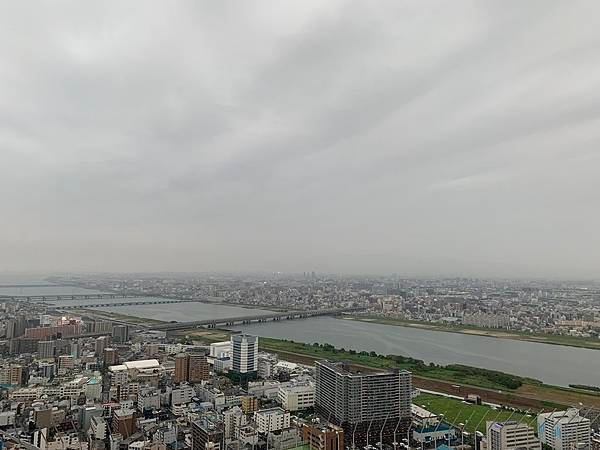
point(492, 386)
point(569, 341)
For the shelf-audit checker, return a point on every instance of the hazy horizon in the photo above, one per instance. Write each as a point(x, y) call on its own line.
point(420, 138)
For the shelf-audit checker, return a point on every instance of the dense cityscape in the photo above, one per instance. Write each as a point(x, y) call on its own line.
point(299, 225)
point(77, 375)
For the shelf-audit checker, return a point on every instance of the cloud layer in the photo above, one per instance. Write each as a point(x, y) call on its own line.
point(412, 137)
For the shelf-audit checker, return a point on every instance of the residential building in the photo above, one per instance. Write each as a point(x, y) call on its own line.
point(365, 405)
point(323, 437)
point(564, 430)
point(511, 435)
point(207, 435)
point(272, 419)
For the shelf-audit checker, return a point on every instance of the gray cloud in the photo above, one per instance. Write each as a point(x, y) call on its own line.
point(411, 137)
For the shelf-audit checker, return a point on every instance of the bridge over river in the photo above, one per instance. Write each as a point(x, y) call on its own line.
point(276, 316)
point(112, 304)
point(61, 297)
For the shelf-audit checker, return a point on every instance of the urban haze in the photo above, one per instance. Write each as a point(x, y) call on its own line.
point(419, 138)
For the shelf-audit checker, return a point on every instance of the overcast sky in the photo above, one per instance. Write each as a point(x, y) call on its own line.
point(416, 137)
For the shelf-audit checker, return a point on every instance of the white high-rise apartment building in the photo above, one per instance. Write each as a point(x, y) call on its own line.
point(244, 353)
point(564, 430)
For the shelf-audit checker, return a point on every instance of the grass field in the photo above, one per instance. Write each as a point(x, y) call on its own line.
point(459, 374)
point(456, 411)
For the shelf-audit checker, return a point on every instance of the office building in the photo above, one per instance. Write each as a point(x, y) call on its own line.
point(244, 352)
point(297, 396)
point(511, 436)
point(564, 430)
point(366, 406)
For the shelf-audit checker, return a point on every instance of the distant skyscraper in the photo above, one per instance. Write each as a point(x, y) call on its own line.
point(120, 334)
point(366, 406)
point(46, 349)
point(101, 344)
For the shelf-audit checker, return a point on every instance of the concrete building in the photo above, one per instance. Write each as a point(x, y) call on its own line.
point(233, 419)
point(182, 395)
point(364, 405)
point(323, 437)
point(207, 435)
point(11, 375)
point(46, 349)
point(123, 422)
point(273, 419)
point(511, 436)
point(191, 367)
point(220, 349)
point(564, 430)
point(110, 356)
point(181, 368)
point(297, 396)
point(197, 368)
point(120, 334)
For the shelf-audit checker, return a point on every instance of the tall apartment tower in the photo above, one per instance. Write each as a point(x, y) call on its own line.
point(120, 334)
point(197, 368)
point(511, 436)
point(564, 430)
point(181, 368)
point(365, 405)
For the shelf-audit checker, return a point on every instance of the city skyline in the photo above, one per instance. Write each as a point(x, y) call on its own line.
point(424, 139)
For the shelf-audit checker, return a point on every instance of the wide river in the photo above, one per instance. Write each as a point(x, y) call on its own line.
point(552, 364)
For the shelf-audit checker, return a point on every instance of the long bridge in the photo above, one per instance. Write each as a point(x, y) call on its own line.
point(230, 321)
point(135, 303)
point(33, 285)
point(57, 297)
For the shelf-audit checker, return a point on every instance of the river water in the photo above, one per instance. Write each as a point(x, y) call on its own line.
point(552, 364)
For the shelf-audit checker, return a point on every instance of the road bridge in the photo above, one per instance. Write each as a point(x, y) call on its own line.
point(14, 286)
point(134, 303)
point(57, 297)
point(289, 315)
